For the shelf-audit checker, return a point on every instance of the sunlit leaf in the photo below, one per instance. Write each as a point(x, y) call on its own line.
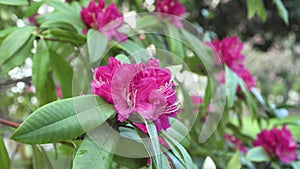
point(14, 2)
point(73, 116)
point(235, 162)
point(4, 160)
point(92, 156)
point(283, 12)
point(97, 43)
point(40, 159)
point(257, 154)
point(13, 42)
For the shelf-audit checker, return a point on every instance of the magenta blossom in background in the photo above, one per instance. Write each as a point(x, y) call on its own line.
point(175, 10)
point(278, 143)
point(107, 21)
point(228, 51)
point(143, 88)
point(237, 143)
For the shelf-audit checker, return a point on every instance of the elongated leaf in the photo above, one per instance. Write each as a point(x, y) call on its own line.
point(199, 49)
point(58, 25)
point(249, 99)
point(14, 2)
point(33, 9)
point(19, 57)
point(63, 119)
point(73, 19)
point(179, 151)
point(63, 72)
point(235, 162)
point(97, 43)
point(41, 77)
point(4, 160)
point(174, 41)
point(90, 155)
point(231, 84)
point(68, 36)
point(137, 52)
point(40, 158)
point(13, 42)
point(123, 58)
point(257, 154)
point(152, 146)
point(283, 13)
point(256, 7)
point(146, 22)
point(176, 163)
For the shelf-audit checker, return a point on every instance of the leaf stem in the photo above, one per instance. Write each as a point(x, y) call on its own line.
point(9, 123)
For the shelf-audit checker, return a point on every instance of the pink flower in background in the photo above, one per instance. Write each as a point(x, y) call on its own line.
point(58, 91)
point(278, 143)
point(228, 51)
point(171, 7)
point(107, 21)
point(237, 143)
point(32, 20)
point(143, 88)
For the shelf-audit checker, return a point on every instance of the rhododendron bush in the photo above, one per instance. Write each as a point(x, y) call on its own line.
point(120, 89)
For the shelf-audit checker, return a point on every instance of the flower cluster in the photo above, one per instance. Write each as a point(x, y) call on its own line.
point(175, 10)
point(143, 88)
point(228, 51)
point(107, 21)
point(237, 143)
point(278, 143)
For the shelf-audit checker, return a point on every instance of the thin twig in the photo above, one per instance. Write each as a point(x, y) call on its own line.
point(9, 123)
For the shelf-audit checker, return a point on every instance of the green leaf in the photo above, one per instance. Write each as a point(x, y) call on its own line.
point(176, 163)
point(137, 52)
point(178, 131)
point(4, 160)
point(256, 7)
point(63, 72)
point(40, 158)
point(5, 32)
point(174, 42)
point(13, 42)
point(132, 163)
point(123, 58)
point(14, 2)
point(179, 151)
point(296, 164)
point(235, 162)
point(200, 49)
point(92, 156)
point(257, 154)
point(67, 36)
point(61, 6)
point(73, 19)
point(231, 84)
point(146, 22)
point(283, 12)
point(249, 99)
point(97, 43)
point(33, 9)
point(153, 147)
point(41, 77)
point(58, 25)
point(19, 57)
point(74, 116)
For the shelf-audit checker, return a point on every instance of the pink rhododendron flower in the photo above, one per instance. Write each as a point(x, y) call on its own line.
point(58, 91)
point(175, 10)
point(238, 144)
point(32, 20)
point(143, 88)
point(228, 51)
point(278, 143)
point(107, 21)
